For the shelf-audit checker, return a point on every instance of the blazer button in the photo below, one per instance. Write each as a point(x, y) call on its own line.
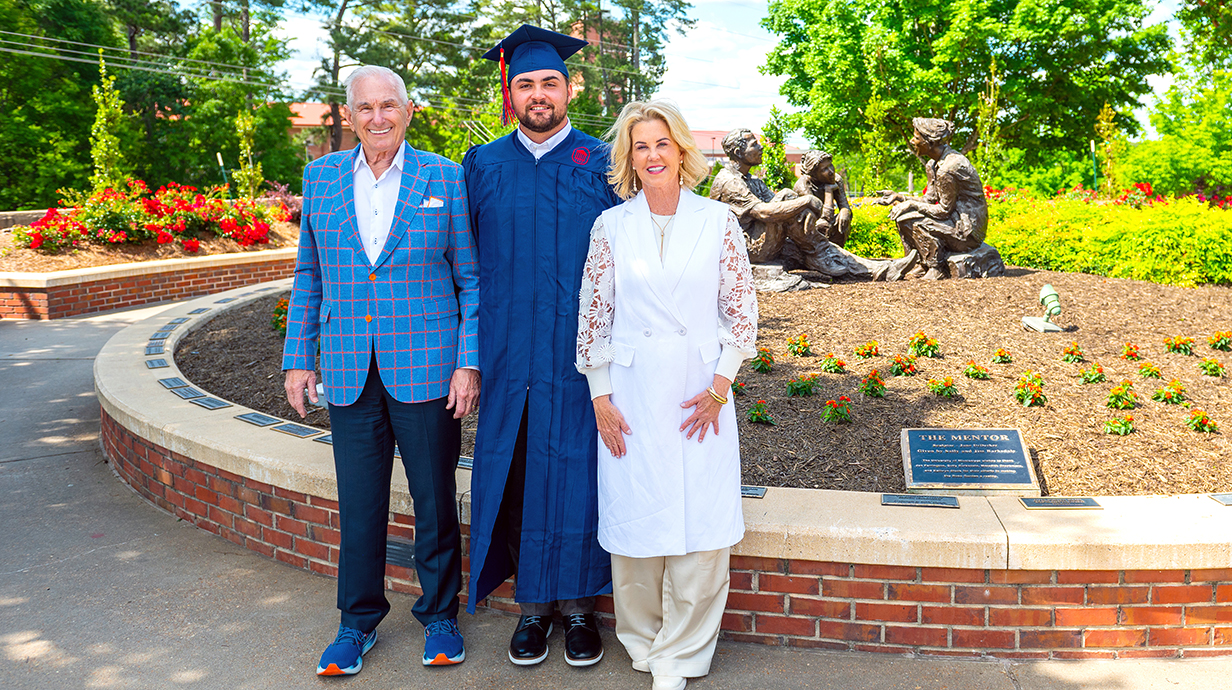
point(368, 318)
point(371, 276)
point(646, 332)
point(683, 331)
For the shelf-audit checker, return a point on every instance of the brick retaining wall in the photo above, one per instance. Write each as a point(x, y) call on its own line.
point(87, 292)
point(1024, 614)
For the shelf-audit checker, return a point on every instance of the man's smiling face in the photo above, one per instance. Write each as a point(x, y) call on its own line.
point(378, 116)
point(540, 99)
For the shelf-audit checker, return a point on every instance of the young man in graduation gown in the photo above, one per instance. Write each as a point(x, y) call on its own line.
point(534, 195)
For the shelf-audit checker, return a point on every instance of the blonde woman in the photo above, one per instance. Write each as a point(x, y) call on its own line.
point(668, 313)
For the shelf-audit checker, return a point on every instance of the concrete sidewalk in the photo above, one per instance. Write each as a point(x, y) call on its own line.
point(100, 589)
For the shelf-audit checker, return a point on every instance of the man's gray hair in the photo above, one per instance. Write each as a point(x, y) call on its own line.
point(735, 145)
point(366, 71)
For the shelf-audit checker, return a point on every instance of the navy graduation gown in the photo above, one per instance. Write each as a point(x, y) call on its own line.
point(532, 222)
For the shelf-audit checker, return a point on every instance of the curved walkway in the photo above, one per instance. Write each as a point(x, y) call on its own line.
point(100, 589)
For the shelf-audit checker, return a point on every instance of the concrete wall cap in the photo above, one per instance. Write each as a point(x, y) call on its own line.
point(1142, 532)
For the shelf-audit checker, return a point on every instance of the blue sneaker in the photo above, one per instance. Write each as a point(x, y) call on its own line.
point(345, 657)
point(443, 643)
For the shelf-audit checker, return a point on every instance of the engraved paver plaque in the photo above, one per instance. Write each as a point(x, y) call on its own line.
point(919, 501)
point(199, 310)
point(224, 300)
point(1224, 499)
point(182, 319)
point(752, 491)
point(466, 462)
point(173, 382)
point(154, 349)
point(156, 364)
point(327, 439)
point(971, 462)
point(188, 393)
point(257, 418)
point(1061, 503)
point(210, 403)
point(297, 430)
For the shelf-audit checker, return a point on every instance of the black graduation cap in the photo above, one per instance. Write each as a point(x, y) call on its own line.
point(527, 49)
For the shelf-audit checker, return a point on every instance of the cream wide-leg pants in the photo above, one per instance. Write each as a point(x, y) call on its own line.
point(669, 608)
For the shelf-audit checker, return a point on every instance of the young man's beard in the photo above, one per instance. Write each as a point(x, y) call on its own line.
point(540, 126)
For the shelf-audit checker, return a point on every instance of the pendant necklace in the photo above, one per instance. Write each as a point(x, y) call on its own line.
point(662, 232)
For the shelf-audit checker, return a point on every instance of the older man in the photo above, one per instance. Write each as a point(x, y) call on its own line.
point(386, 279)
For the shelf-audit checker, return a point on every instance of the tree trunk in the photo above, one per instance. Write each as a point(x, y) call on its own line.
point(335, 109)
point(216, 5)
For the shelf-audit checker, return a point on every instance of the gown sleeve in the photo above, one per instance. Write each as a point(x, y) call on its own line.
point(737, 302)
point(596, 313)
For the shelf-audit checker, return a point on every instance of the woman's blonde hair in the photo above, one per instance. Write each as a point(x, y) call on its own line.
point(622, 176)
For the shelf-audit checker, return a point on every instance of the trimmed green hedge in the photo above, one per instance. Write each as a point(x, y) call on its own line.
point(873, 234)
point(1181, 242)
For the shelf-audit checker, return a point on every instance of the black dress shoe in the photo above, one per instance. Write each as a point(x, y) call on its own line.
point(583, 646)
point(529, 644)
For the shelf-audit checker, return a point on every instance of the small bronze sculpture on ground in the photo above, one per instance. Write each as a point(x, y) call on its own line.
point(819, 179)
point(946, 226)
point(770, 220)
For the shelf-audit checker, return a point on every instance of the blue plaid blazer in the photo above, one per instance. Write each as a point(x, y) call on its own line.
point(417, 308)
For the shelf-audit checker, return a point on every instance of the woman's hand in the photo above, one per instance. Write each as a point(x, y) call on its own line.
point(706, 410)
point(612, 426)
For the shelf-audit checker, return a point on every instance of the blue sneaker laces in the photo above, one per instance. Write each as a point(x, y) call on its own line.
point(351, 635)
point(446, 627)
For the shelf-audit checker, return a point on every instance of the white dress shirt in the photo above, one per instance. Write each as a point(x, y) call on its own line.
point(376, 200)
point(541, 150)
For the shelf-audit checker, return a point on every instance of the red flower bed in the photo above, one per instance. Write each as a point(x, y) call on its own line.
point(173, 213)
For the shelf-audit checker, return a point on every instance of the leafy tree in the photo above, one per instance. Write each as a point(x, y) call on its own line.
point(1208, 30)
point(778, 174)
point(105, 134)
point(161, 18)
point(989, 154)
point(208, 125)
point(1112, 147)
point(1194, 151)
point(48, 112)
point(248, 177)
point(875, 143)
point(1060, 61)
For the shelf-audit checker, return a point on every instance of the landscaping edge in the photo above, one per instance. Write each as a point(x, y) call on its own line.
point(1147, 576)
point(79, 291)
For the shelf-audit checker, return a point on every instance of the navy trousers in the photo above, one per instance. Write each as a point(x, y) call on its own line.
point(429, 439)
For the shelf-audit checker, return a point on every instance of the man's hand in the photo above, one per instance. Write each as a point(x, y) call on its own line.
point(463, 392)
point(296, 381)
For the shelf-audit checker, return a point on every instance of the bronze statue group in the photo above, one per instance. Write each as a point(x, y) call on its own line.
point(593, 311)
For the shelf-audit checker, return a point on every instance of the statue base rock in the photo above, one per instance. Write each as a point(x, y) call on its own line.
point(982, 262)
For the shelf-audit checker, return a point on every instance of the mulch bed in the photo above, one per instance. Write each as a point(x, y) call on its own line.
point(22, 260)
point(238, 356)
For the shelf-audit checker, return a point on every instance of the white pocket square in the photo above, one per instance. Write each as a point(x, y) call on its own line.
point(432, 202)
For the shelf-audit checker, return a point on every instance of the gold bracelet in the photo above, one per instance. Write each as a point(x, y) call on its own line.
point(713, 394)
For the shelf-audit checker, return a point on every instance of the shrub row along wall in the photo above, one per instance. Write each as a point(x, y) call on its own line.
point(1032, 614)
point(86, 291)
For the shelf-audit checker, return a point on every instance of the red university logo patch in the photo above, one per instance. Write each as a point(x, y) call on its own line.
point(581, 156)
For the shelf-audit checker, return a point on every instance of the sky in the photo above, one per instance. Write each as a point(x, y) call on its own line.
point(712, 71)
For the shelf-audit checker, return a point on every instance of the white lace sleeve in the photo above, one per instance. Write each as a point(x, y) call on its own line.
point(737, 296)
point(597, 309)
